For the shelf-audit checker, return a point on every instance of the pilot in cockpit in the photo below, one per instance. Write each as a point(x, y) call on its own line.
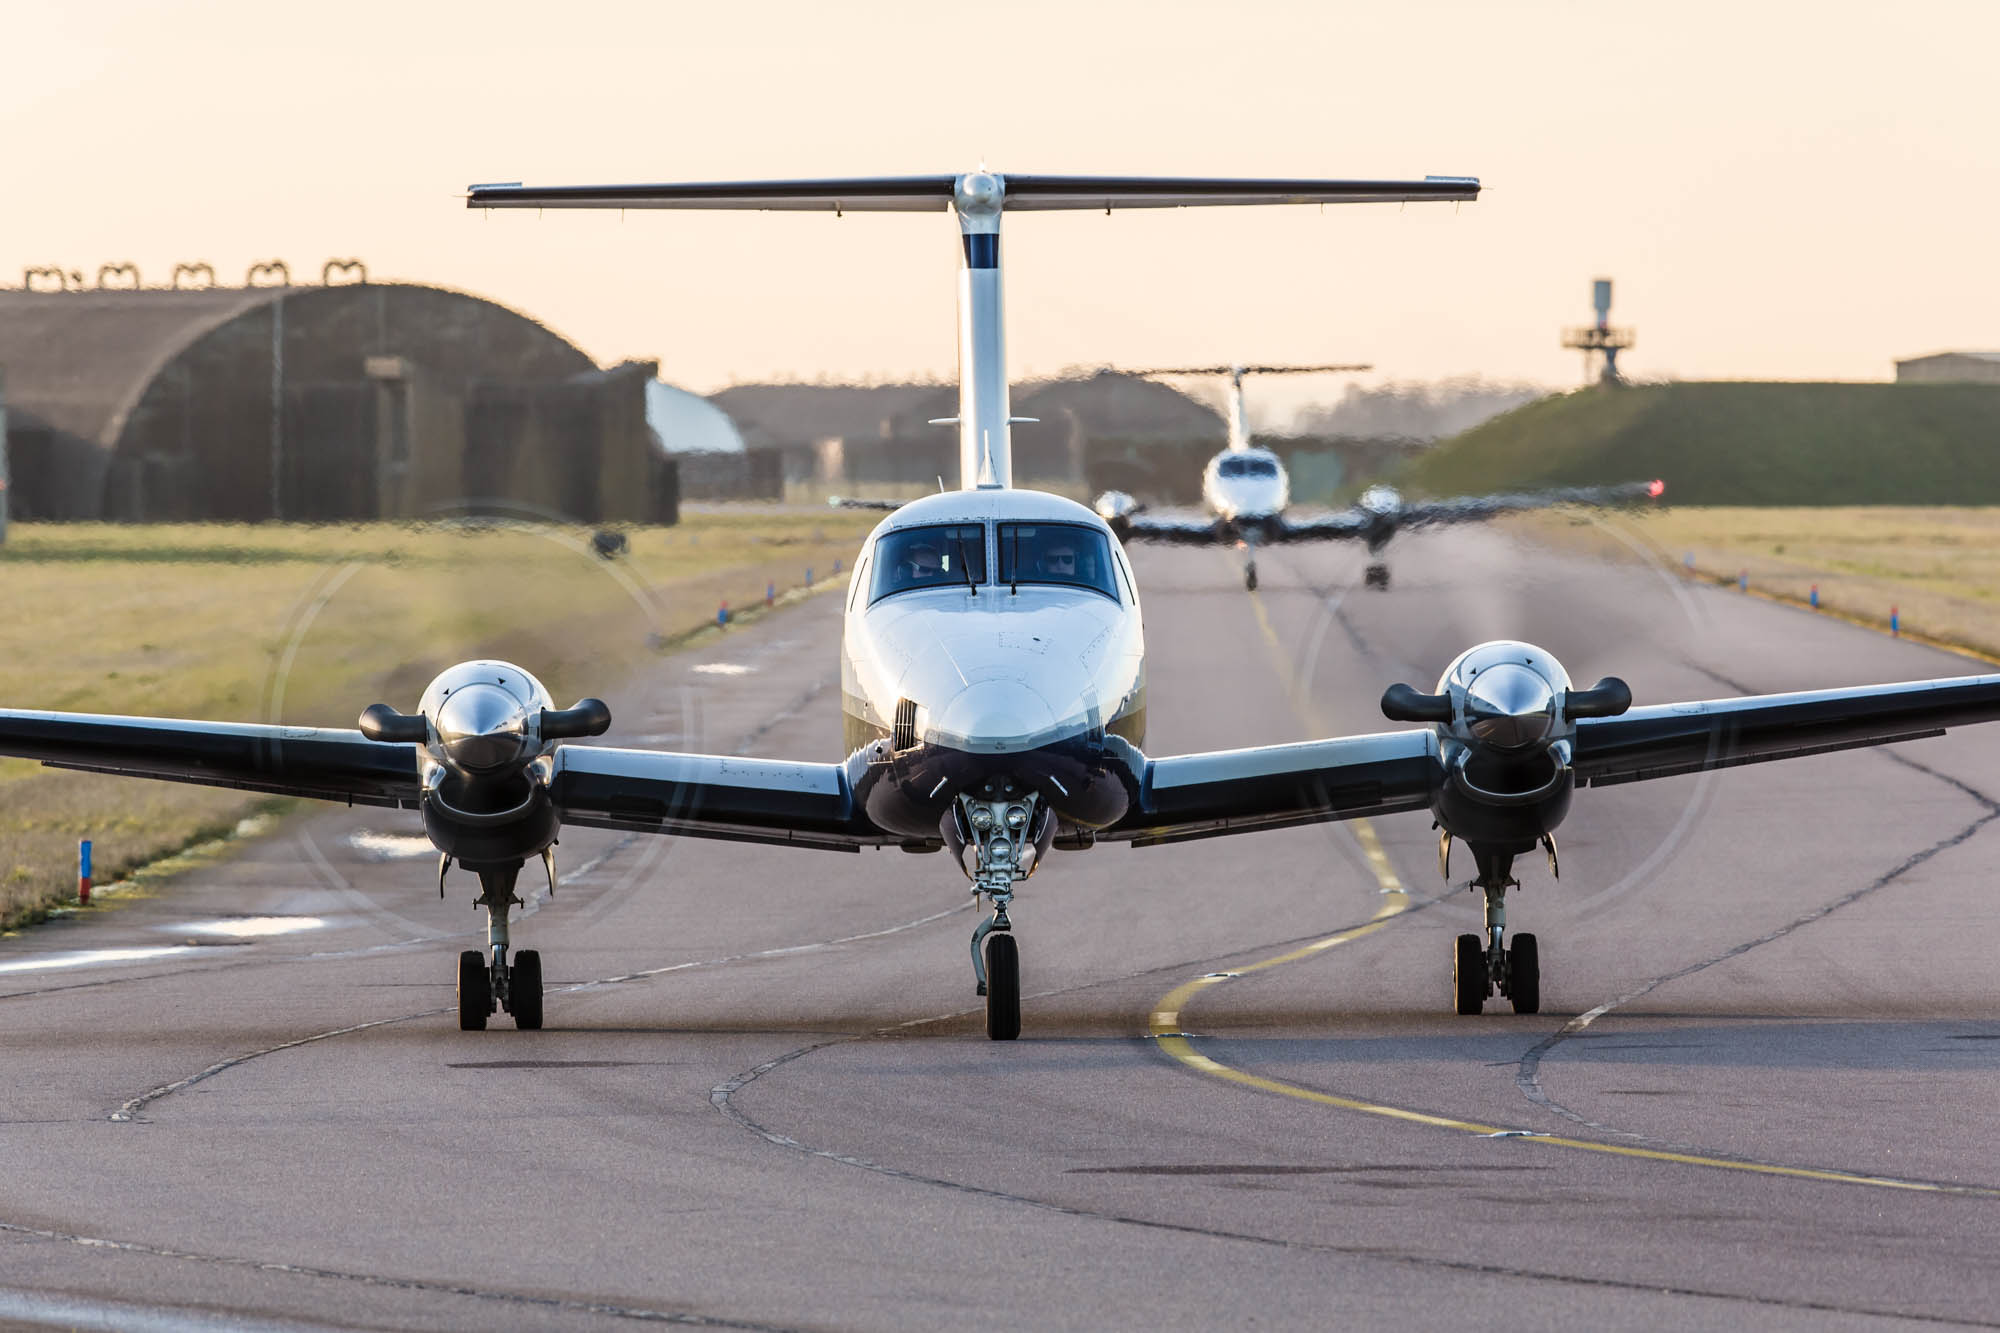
point(922, 564)
point(1058, 559)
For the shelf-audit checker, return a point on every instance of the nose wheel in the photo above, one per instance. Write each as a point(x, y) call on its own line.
point(1003, 988)
point(1250, 577)
point(1376, 576)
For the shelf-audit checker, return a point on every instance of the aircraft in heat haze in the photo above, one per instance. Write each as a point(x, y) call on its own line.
point(1246, 497)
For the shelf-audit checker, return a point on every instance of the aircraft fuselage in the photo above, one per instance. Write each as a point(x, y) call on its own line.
point(970, 656)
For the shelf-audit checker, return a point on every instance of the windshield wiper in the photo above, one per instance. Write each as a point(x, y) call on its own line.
point(1014, 570)
point(959, 543)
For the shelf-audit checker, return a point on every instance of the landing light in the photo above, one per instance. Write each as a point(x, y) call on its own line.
point(1656, 489)
point(982, 818)
point(1017, 815)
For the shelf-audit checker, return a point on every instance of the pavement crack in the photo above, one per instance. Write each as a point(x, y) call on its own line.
point(1527, 1074)
point(518, 1299)
point(723, 1098)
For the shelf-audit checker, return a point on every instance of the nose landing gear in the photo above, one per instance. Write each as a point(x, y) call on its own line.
point(1376, 576)
point(485, 988)
point(1001, 839)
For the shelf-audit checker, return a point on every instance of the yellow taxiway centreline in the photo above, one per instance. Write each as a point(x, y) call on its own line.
point(1166, 1023)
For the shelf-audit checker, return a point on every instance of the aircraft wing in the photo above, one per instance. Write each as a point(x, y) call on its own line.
point(1182, 529)
point(1276, 786)
point(321, 762)
point(1474, 508)
point(1671, 739)
point(1338, 525)
point(712, 796)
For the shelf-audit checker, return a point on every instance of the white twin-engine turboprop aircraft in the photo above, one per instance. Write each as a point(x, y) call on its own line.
point(1248, 498)
point(994, 688)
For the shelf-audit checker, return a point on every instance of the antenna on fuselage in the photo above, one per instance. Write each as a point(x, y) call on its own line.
point(1239, 420)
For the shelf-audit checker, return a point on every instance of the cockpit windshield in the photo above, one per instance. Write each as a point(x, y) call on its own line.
point(1246, 466)
point(1056, 553)
point(929, 558)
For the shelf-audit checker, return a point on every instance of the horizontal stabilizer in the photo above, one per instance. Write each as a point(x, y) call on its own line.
point(1248, 370)
point(916, 194)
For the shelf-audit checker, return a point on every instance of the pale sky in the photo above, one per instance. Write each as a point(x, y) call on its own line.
point(1780, 190)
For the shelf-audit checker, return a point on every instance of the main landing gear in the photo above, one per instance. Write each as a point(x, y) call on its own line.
point(1004, 846)
point(484, 987)
point(1482, 969)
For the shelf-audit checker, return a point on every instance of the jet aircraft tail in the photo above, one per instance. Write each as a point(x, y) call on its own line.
point(985, 447)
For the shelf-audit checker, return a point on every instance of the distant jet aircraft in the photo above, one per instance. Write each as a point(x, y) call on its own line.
point(993, 690)
point(1248, 496)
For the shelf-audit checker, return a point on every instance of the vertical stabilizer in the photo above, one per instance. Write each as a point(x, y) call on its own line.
point(985, 451)
point(1239, 419)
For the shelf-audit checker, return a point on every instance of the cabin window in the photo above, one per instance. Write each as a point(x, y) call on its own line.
point(1067, 553)
point(939, 557)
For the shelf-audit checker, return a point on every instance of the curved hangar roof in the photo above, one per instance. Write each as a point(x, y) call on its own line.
point(175, 404)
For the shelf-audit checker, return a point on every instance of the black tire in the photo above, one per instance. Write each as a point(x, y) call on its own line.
point(524, 990)
point(1003, 988)
point(1468, 975)
point(1250, 579)
point(1524, 975)
point(475, 992)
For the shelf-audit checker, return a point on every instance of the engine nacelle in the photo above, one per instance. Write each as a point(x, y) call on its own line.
point(1506, 715)
point(1116, 508)
point(486, 729)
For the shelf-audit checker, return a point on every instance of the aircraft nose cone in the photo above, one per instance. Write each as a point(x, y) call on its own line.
point(1510, 706)
point(994, 717)
point(482, 728)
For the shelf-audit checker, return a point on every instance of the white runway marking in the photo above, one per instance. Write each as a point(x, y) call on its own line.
point(250, 927)
point(94, 958)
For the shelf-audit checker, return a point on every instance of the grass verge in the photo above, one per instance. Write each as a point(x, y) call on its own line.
point(1937, 568)
point(309, 624)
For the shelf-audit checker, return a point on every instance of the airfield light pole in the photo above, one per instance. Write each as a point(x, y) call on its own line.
point(1600, 337)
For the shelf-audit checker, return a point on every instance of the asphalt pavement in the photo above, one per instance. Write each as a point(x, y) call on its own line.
point(1761, 1090)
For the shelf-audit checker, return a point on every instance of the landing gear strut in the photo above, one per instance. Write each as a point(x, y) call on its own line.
point(486, 987)
point(1001, 838)
point(1480, 969)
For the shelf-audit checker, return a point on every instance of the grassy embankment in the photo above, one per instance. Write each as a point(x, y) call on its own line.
point(1740, 444)
point(1809, 447)
point(310, 624)
point(1939, 567)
